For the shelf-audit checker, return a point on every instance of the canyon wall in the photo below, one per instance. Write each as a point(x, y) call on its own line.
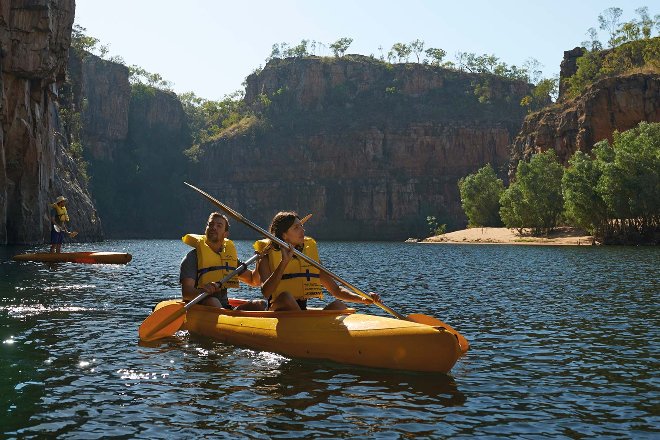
point(134, 137)
point(370, 149)
point(617, 103)
point(35, 165)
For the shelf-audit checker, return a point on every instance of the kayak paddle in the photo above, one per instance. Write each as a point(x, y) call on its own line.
point(418, 318)
point(60, 229)
point(168, 320)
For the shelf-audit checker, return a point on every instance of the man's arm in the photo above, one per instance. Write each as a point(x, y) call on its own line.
point(188, 276)
point(188, 289)
point(250, 277)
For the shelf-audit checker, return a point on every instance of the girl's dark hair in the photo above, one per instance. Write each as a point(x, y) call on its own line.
point(281, 223)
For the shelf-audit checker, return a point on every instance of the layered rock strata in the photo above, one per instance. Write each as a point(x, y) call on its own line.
point(35, 166)
point(617, 103)
point(134, 138)
point(369, 148)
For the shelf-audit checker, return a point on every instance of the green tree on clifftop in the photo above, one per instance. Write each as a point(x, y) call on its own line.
point(401, 50)
point(340, 46)
point(609, 22)
point(633, 47)
point(539, 98)
point(417, 48)
point(81, 42)
point(637, 29)
point(138, 75)
point(436, 55)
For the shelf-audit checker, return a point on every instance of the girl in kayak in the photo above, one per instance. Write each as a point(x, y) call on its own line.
point(288, 281)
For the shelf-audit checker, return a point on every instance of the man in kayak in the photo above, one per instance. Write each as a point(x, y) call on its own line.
point(214, 256)
point(58, 219)
point(288, 281)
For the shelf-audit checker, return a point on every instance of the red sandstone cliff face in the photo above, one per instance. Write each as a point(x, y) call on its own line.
point(34, 165)
point(618, 103)
point(369, 149)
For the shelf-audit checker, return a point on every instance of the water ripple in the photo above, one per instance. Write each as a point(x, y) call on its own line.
point(564, 343)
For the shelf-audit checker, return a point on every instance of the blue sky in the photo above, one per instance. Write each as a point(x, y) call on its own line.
point(209, 47)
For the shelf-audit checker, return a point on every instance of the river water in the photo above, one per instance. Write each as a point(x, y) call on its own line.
point(564, 343)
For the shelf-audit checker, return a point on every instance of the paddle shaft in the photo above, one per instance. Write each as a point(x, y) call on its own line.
point(59, 228)
point(299, 254)
point(239, 270)
point(63, 228)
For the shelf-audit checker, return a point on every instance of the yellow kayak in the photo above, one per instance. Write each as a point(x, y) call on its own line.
point(341, 336)
point(76, 257)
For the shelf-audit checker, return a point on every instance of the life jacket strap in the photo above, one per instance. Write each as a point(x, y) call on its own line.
point(201, 272)
point(307, 274)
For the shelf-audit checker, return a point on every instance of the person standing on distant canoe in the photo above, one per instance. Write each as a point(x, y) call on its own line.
point(214, 257)
point(58, 219)
point(288, 281)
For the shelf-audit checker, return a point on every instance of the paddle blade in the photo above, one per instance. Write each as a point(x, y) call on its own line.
point(162, 323)
point(73, 234)
point(434, 322)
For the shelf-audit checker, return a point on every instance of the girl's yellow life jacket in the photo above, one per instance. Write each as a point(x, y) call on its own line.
point(213, 266)
point(300, 279)
point(62, 216)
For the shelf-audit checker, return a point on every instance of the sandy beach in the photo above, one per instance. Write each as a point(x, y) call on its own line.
point(560, 237)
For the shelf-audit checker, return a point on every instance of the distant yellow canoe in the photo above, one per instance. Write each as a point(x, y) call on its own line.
point(341, 336)
point(76, 257)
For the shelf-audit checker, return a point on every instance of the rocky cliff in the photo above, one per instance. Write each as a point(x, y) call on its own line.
point(568, 67)
point(617, 103)
point(371, 149)
point(133, 138)
point(35, 166)
point(99, 90)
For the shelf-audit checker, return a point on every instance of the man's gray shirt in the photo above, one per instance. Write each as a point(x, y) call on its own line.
point(189, 266)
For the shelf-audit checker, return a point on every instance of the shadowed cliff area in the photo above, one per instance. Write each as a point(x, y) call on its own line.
point(370, 148)
point(134, 137)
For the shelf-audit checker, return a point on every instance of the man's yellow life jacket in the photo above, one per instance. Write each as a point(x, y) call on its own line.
point(62, 216)
point(213, 266)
